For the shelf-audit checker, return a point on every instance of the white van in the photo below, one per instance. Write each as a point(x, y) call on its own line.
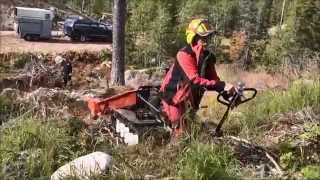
point(33, 23)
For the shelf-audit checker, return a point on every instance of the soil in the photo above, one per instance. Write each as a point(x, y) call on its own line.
point(9, 42)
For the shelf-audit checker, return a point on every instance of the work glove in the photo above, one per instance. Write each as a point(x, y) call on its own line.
point(218, 87)
point(228, 91)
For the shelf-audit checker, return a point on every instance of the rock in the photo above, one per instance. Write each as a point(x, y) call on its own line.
point(83, 167)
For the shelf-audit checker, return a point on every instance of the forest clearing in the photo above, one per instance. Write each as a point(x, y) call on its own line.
point(49, 130)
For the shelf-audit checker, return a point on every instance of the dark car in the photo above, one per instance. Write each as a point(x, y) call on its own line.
point(84, 29)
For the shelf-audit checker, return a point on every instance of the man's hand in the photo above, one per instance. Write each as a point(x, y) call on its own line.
point(230, 89)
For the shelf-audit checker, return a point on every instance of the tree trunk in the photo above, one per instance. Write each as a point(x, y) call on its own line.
point(118, 32)
point(282, 13)
point(82, 6)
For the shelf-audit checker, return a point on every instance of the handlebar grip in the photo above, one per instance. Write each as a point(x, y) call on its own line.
point(253, 96)
point(229, 102)
point(224, 101)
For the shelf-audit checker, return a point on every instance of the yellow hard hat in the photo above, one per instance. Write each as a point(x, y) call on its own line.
point(198, 27)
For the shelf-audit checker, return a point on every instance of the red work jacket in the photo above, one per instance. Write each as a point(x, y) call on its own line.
point(192, 70)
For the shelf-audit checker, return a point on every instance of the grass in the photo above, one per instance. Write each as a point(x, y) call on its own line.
point(32, 148)
point(311, 172)
point(267, 105)
point(6, 109)
point(207, 161)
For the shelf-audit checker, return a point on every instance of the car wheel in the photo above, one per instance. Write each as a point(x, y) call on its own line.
point(73, 38)
point(36, 37)
point(83, 38)
point(27, 37)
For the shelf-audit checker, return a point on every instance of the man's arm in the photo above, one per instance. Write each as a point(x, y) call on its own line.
point(189, 66)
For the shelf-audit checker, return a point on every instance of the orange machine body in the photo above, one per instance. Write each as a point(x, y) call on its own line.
point(99, 106)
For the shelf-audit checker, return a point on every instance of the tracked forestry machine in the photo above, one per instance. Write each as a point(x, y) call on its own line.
point(134, 112)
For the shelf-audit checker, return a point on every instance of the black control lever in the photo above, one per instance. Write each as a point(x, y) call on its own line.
point(236, 99)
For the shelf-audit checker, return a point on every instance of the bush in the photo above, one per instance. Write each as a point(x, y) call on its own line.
point(105, 55)
point(21, 60)
point(288, 160)
point(204, 161)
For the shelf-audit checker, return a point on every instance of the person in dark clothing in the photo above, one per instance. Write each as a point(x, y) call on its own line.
point(66, 71)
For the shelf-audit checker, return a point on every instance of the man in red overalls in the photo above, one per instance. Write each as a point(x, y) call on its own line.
point(192, 73)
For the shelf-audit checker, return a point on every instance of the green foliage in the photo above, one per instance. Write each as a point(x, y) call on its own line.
point(258, 48)
point(7, 109)
point(298, 96)
point(283, 43)
point(311, 172)
point(263, 19)
point(312, 132)
point(93, 8)
point(299, 33)
point(98, 7)
point(248, 17)
point(295, 156)
point(149, 36)
point(287, 160)
point(33, 149)
point(204, 161)
point(4, 105)
point(153, 37)
point(21, 60)
point(105, 55)
point(308, 24)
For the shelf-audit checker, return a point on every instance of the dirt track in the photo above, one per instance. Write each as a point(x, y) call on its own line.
point(9, 42)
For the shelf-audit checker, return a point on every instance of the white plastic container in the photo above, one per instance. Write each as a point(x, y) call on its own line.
point(118, 126)
point(131, 139)
point(123, 131)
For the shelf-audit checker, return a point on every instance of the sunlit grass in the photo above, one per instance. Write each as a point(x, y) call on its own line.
point(32, 148)
point(247, 118)
point(207, 161)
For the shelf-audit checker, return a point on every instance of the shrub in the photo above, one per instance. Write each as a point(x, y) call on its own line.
point(204, 161)
point(287, 160)
point(105, 55)
point(21, 60)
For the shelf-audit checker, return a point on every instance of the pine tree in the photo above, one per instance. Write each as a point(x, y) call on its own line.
point(248, 17)
point(264, 18)
point(118, 53)
point(98, 7)
point(248, 21)
point(308, 24)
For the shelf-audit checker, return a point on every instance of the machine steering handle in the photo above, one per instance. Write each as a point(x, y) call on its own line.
point(237, 96)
